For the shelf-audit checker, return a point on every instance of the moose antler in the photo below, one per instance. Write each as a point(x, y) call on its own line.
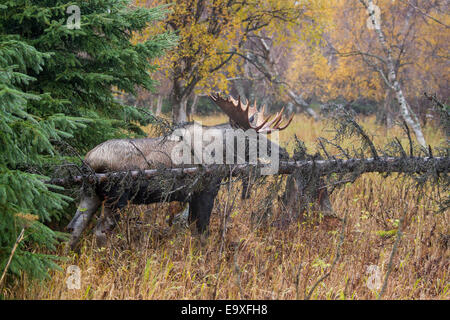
point(243, 115)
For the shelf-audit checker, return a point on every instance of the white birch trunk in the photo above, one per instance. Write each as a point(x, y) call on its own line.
point(407, 113)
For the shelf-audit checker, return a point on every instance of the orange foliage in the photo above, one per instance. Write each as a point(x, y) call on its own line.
point(333, 69)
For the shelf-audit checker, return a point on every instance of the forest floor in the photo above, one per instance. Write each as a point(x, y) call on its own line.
point(148, 259)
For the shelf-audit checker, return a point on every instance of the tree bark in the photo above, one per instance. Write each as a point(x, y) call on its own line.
point(194, 105)
point(388, 109)
point(384, 114)
point(159, 105)
point(411, 165)
point(179, 113)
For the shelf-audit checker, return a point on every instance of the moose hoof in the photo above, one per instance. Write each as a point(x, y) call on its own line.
point(68, 247)
point(72, 244)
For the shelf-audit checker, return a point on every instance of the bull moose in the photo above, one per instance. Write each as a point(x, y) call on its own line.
point(150, 153)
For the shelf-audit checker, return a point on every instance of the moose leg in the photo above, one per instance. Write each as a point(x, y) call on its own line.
point(201, 204)
point(106, 224)
point(324, 200)
point(302, 193)
point(87, 207)
point(246, 188)
point(247, 181)
point(109, 218)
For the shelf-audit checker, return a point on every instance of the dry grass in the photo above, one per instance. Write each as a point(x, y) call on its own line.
point(147, 259)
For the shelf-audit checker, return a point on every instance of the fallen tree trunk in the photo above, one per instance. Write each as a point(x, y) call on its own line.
point(407, 165)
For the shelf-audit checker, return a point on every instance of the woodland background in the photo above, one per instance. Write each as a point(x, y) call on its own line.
point(63, 91)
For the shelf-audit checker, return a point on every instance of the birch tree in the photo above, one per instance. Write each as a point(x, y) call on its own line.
point(391, 80)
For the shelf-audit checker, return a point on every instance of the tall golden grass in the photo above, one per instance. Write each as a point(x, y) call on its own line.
point(148, 259)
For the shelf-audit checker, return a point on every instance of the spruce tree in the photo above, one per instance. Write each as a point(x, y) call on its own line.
point(56, 90)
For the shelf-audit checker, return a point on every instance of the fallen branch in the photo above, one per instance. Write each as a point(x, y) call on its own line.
point(411, 165)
